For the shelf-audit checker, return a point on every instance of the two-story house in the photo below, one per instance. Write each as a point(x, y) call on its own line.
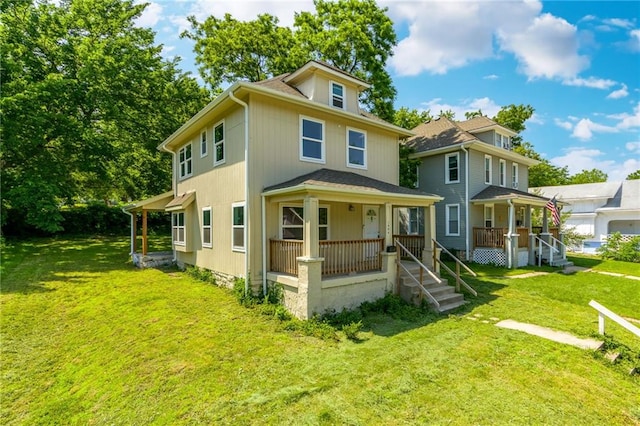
point(486, 212)
point(288, 181)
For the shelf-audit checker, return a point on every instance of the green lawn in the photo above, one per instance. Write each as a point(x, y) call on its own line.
point(597, 264)
point(87, 339)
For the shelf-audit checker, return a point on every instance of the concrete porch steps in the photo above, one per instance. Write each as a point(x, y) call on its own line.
point(441, 291)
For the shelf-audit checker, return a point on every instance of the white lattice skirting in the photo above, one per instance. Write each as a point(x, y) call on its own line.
point(487, 256)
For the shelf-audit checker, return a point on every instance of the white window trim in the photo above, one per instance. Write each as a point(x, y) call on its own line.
point(186, 175)
point(488, 182)
point(321, 206)
point(410, 229)
point(205, 152)
point(322, 158)
point(177, 227)
point(503, 172)
point(222, 141)
point(240, 249)
point(210, 227)
point(344, 95)
point(446, 167)
point(448, 231)
point(364, 150)
point(484, 215)
point(515, 181)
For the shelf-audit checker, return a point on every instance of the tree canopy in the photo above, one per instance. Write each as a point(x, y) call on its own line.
point(354, 35)
point(634, 175)
point(86, 98)
point(588, 176)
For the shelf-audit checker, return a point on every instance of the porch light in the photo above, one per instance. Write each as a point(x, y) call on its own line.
point(351, 208)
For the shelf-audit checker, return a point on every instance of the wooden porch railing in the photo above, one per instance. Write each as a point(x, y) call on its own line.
point(351, 256)
point(340, 257)
point(553, 231)
point(489, 237)
point(413, 243)
point(284, 254)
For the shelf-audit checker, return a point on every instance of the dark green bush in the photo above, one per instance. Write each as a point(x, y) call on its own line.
point(617, 249)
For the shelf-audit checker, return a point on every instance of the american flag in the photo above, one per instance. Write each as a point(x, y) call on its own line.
point(555, 213)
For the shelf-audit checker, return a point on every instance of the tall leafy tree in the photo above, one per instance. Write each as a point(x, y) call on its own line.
point(355, 36)
point(634, 175)
point(85, 99)
point(545, 173)
point(409, 119)
point(514, 117)
point(588, 176)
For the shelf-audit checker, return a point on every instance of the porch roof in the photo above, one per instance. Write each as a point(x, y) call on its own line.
point(180, 202)
point(156, 203)
point(499, 194)
point(347, 186)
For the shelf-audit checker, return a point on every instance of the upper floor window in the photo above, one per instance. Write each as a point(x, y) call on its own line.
point(178, 228)
point(487, 169)
point(312, 140)
point(503, 173)
point(453, 219)
point(502, 141)
point(452, 168)
point(237, 227)
point(184, 156)
point(203, 143)
point(206, 227)
point(356, 148)
point(218, 144)
point(337, 95)
point(514, 175)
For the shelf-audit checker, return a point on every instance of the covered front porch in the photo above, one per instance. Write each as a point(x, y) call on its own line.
point(502, 232)
point(330, 239)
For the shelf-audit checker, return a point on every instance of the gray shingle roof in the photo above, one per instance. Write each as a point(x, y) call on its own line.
point(499, 192)
point(348, 181)
point(438, 133)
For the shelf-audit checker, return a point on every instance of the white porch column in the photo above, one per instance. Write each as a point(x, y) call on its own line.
point(532, 240)
point(311, 245)
point(388, 221)
point(545, 221)
point(511, 240)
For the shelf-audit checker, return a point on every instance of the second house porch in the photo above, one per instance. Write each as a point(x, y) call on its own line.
point(330, 239)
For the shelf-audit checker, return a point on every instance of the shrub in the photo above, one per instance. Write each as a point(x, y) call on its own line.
point(351, 330)
point(617, 249)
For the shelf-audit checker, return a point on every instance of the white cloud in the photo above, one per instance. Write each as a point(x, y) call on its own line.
point(620, 93)
point(592, 82)
point(546, 48)
point(564, 124)
point(150, 15)
point(535, 119)
point(629, 121)
point(578, 159)
point(487, 105)
point(585, 128)
point(617, 22)
point(634, 147)
point(491, 77)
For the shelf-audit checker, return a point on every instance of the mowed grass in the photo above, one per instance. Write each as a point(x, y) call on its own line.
point(88, 339)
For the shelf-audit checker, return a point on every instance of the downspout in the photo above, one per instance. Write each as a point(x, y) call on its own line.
point(466, 201)
point(131, 232)
point(512, 254)
point(174, 188)
point(246, 189)
point(264, 247)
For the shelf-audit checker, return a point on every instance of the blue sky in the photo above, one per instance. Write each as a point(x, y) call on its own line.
point(576, 62)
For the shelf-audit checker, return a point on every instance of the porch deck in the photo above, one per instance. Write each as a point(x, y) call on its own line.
point(494, 237)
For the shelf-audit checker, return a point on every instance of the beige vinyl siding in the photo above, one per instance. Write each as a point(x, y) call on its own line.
point(322, 91)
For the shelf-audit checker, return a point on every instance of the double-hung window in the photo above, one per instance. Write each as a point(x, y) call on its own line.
point(206, 227)
point(203, 143)
point(488, 216)
point(487, 169)
point(337, 95)
point(503, 173)
point(292, 223)
point(356, 148)
point(184, 156)
point(415, 221)
point(312, 140)
point(453, 219)
point(218, 144)
point(237, 227)
point(452, 168)
point(178, 228)
point(514, 175)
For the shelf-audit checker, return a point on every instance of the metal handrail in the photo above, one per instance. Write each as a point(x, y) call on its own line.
point(540, 242)
point(423, 267)
point(459, 280)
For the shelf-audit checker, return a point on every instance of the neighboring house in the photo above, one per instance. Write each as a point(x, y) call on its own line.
point(486, 212)
point(598, 210)
point(287, 180)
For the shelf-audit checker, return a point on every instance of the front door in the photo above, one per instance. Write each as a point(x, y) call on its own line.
point(371, 220)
